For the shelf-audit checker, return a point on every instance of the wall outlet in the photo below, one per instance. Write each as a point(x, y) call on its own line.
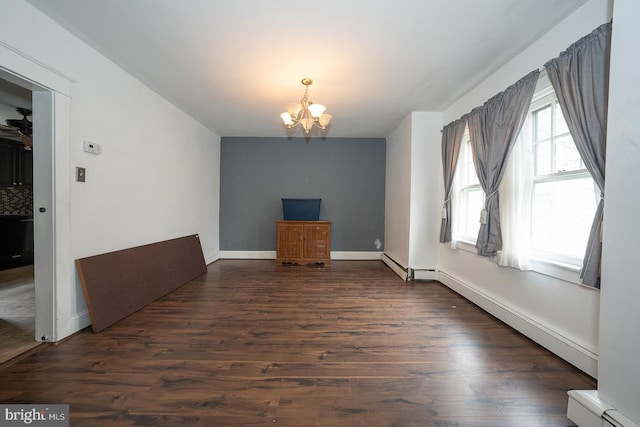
point(92, 147)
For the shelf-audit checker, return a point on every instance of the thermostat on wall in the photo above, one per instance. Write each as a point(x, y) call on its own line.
point(92, 147)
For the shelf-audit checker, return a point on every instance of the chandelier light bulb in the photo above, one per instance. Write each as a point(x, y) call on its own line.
point(316, 110)
point(305, 112)
point(293, 108)
point(324, 120)
point(286, 118)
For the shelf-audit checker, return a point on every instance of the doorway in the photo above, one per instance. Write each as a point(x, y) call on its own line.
point(17, 279)
point(45, 108)
point(54, 271)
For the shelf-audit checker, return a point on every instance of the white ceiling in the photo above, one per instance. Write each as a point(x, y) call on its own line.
point(232, 65)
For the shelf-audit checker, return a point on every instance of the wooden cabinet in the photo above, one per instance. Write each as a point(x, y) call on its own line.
point(303, 242)
point(16, 164)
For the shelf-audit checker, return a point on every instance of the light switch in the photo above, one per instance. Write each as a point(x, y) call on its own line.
point(80, 174)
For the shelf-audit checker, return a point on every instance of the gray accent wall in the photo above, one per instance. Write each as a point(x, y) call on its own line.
point(348, 174)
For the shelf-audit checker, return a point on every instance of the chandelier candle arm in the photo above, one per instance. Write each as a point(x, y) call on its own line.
point(305, 113)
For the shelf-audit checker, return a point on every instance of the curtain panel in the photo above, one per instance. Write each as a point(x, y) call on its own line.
point(451, 140)
point(580, 78)
point(493, 129)
point(516, 191)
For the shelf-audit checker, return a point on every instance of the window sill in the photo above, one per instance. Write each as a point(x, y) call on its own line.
point(467, 246)
point(558, 270)
point(566, 272)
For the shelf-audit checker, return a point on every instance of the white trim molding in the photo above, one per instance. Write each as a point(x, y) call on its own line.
point(27, 68)
point(247, 254)
point(335, 255)
point(553, 340)
point(211, 257)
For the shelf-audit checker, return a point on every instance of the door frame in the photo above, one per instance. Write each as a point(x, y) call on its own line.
point(51, 104)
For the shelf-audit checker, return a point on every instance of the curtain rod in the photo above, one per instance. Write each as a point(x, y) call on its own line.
point(543, 73)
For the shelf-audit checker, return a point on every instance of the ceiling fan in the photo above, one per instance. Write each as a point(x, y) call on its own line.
point(20, 129)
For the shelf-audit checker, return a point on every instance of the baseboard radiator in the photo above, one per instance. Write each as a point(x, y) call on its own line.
point(397, 268)
point(587, 410)
point(408, 273)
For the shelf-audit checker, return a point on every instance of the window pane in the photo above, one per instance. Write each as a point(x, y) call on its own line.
point(543, 123)
point(468, 174)
point(467, 169)
point(567, 156)
point(473, 205)
point(543, 158)
point(562, 216)
point(561, 124)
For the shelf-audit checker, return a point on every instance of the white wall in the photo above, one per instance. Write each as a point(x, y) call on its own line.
point(426, 192)
point(619, 381)
point(397, 210)
point(158, 175)
point(412, 207)
point(560, 315)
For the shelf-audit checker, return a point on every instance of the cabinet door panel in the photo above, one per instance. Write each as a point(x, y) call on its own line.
point(6, 164)
point(26, 167)
point(290, 241)
point(317, 238)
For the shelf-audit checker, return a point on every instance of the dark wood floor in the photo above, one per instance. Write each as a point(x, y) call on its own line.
point(253, 344)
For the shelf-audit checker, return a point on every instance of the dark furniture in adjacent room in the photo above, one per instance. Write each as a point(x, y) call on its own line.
point(16, 240)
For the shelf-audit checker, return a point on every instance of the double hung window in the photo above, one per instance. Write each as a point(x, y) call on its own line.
point(559, 187)
point(563, 196)
point(468, 197)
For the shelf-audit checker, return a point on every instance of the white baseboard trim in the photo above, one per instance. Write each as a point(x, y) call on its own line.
point(247, 254)
point(335, 255)
point(211, 258)
point(563, 346)
point(77, 322)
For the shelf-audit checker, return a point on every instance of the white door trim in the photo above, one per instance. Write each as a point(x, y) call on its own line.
point(51, 116)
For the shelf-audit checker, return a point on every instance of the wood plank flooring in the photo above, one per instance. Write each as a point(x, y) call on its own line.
point(17, 312)
point(254, 344)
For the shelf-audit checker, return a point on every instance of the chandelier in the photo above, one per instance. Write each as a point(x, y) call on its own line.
point(305, 112)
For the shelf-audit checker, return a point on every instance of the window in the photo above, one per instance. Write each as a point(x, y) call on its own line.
point(468, 195)
point(557, 194)
point(563, 197)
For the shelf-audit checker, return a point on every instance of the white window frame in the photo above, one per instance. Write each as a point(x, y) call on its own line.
point(543, 99)
point(463, 189)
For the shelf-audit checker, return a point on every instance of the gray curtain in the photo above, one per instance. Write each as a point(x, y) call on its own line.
point(493, 129)
point(580, 78)
point(451, 141)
